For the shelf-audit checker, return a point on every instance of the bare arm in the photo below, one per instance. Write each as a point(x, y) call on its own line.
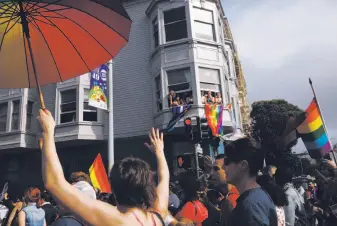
point(68, 196)
point(162, 190)
point(22, 218)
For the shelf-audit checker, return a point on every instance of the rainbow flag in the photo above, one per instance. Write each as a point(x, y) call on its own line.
point(98, 175)
point(313, 133)
point(213, 114)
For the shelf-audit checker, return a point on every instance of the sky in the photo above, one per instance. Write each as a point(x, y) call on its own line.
point(283, 43)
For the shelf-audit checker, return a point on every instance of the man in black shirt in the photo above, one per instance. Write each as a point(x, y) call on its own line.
point(45, 204)
point(244, 158)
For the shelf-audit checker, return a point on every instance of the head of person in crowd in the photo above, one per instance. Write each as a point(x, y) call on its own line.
point(283, 175)
point(108, 198)
point(46, 198)
point(275, 192)
point(133, 183)
point(190, 185)
point(32, 195)
point(244, 159)
point(218, 173)
point(180, 161)
point(85, 188)
point(79, 176)
point(269, 170)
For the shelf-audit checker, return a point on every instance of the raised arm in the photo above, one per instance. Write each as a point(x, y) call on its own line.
point(92, 212)
point(162, 190)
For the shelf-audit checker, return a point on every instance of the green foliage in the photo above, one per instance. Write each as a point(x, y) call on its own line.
point(269, 119)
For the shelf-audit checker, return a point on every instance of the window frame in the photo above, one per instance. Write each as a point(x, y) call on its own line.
point(175, 22)
point(155, 31)
point(60, 105)
point(211, 83)
point(196, 20)
point(187, 82)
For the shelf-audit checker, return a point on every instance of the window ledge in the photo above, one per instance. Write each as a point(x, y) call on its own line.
point(170, 44)
point(16, 132)
point(170, 110)
point(79, 123)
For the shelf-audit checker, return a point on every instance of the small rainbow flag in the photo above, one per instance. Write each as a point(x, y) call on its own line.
point(213, 114)
point(313, 133)
point(98, 175)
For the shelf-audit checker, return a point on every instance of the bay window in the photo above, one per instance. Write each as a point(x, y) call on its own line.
point(15, 115)
point(204, 24)
point(158, 93)
point(175, 24)
point(29, 115)
point(179, 81)
point(68, 106)
point(3, 116)
point(89, 112)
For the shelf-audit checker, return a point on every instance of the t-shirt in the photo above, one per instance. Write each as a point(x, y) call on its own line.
point(174, 201)
point(196, 212)
point(254, 208)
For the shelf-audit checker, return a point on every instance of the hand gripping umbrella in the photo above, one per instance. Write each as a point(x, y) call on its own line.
point(49, 41)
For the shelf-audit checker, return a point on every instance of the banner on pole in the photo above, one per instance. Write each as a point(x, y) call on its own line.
point(98, 93)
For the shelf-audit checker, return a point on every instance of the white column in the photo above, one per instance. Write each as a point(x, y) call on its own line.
point(111, 153)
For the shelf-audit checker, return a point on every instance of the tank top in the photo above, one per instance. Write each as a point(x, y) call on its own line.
point(141, 223)
point(34, 216)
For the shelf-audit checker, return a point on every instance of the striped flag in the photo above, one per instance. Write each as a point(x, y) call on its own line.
point(178, 112)
point(213, 114)
point(98, 175)
point(313, 133)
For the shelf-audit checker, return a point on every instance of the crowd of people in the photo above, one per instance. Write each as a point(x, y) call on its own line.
point(233, 190)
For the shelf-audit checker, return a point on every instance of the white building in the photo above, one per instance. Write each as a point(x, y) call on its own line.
point(179, 45)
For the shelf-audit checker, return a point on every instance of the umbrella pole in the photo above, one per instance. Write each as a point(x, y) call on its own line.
point(35, 74)
point(25, 29)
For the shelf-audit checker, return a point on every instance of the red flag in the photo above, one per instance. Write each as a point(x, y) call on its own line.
point(98, 175)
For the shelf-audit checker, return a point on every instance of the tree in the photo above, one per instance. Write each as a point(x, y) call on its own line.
point(269, 119)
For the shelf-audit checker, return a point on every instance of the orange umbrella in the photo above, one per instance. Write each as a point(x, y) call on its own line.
point(49, 41)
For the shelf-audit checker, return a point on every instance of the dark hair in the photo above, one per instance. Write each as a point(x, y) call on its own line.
point(132, 182)
point(108, 198)
point(267, 170)
point(79, 176)
point(46, 196)
point(32, 194)
point(246, 149)
point(275, 192)
point(283, 175)
point(220, 156)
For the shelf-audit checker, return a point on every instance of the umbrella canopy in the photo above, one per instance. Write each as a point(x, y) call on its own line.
point(65, 39)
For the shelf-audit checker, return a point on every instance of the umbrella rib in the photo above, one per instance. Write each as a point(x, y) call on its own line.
point(24, 44)
point(51, 53)
point(12, 26)
point(79, 54)
point(3, 36)
point(9, 20)
point(8, 9)
point(43, 22)
point(86, 31)
point(46, 5)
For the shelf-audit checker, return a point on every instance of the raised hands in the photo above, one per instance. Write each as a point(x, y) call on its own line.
point(157, 142)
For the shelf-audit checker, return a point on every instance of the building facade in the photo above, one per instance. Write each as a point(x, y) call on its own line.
point(174, 45)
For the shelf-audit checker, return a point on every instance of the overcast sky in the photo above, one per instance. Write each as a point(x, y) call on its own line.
point(283, 43)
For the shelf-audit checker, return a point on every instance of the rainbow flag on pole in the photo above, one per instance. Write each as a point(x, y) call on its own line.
point(213, 114)
point(313, 132)
point(98, 175)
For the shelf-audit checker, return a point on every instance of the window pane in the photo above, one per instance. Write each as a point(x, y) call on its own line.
point(183, 86)
point(68, 96)
point(155, 32)
point(209, 75)
point(86, 106)
point(178, 76)
point(158, 83)
point(174, 15)
point(68, 107)
point(209, 87)
point(3, 109)
point(159, 106)
point(176, 31)
point(29, 122)
point(30, 107)
point(15, 115)
point(204, 15)
point(68, 117)
point(3, 117)
point(158, 96)
point(204, 31)
point(90, 116)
